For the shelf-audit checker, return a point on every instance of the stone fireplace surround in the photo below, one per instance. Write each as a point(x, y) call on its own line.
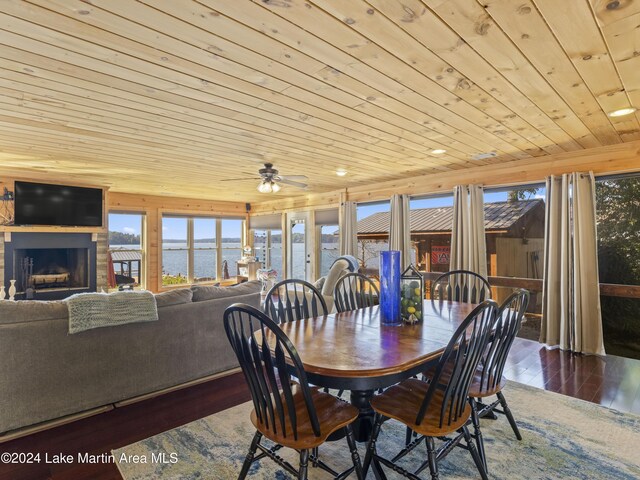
point(91, 247)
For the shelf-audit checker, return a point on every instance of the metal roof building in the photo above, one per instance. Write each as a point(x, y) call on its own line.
point(125, 255)
point(499, 217)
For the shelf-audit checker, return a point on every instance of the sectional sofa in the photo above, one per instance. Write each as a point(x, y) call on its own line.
point(48, 375)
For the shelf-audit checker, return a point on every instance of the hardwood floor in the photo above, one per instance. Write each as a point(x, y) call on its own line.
point(612, 381)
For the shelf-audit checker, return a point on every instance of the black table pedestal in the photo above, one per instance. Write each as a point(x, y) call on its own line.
point(362, 427)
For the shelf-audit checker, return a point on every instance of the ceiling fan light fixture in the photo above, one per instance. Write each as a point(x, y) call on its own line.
point(623, 111)
point(265, 187)
point(275, 187)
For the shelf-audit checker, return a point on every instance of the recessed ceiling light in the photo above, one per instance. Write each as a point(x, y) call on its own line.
point(622, 111)
point(341, 173)
point(483, 156)
point(438, 151)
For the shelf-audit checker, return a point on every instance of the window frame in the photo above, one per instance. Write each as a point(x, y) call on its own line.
point(319, 248)
point(359, 249)
point(268, 246)
point(142, 281)
point(190, 248)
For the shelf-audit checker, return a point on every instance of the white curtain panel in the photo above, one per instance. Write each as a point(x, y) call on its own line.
point(400, 228)
point(348, 229)
point(571, 315)
point(468, 241)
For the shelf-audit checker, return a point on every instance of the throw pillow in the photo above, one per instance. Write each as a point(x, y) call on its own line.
point(174, 297)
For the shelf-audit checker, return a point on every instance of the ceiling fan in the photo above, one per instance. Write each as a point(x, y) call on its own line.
point(270, 179)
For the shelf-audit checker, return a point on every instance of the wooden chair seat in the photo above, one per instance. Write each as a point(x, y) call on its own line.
point(333, 414)
point(402, 401)
point(478, 388)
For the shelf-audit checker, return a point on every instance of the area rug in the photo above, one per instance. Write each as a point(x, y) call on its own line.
point(563, 438)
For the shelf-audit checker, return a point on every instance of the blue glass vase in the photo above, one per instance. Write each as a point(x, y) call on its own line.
point(390, 287)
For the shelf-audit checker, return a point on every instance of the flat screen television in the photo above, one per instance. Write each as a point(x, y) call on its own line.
point(59, 205)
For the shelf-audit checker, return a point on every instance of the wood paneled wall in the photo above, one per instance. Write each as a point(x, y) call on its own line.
point(152, 207)
point(603, 160)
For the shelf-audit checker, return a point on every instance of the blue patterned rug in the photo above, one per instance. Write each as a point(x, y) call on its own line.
point(563, 438)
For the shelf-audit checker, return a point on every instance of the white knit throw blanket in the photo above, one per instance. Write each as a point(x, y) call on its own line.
point(96, 310)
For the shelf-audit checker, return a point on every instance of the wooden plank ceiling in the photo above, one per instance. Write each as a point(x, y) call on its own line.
point(171, 97)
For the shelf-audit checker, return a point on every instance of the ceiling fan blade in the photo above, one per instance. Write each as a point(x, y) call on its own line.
point(293, 184)
point(253, 179)
point(294, 178)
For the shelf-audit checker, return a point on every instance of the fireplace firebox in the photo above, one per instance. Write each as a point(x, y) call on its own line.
point(54, 265)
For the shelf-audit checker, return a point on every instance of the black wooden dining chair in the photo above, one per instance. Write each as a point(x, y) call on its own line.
point(461, 286)
point(489, 379)
point(439, 408)
point(293, 299)
point(289, 413)
point(354, 291)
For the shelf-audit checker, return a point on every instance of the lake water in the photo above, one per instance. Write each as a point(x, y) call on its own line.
point(175, 258)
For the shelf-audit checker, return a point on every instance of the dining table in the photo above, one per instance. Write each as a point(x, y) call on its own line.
point(358, 352)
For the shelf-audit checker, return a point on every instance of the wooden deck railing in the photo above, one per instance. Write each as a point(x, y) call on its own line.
point(535, 284)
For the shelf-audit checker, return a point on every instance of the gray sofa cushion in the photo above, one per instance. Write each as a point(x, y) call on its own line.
point(30, 311)
point(174, 297)
point(202, 292)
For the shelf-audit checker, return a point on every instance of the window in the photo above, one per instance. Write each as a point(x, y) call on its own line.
point(431, 224)
point(327, 240)
point(514, 228)
point(191, 252)
point(231, 245)
point(275, 253)
point(618, 224)
point(329, 247)
point(267, 241)
point(373, 233)
point(175, 250)
point(126, 245)
point(267, 245)
point(204, 250)
point(298, 253)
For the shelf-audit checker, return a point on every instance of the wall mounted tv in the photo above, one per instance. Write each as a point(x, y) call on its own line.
point(60, 205)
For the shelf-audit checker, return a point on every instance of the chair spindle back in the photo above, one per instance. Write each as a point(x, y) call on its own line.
point(267, 374)
point(461, 286)
point(354, 291)
point(509, 319)
point(293, 299)
point(459, 362)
